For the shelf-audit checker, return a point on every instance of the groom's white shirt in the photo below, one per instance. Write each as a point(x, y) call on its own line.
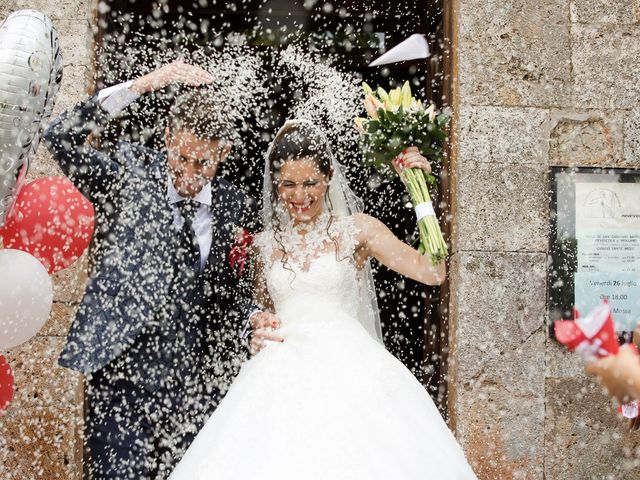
point(201, 222)
point(117, 98)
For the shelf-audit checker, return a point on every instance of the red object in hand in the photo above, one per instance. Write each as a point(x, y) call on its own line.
point(593, 335)
point(239, 251)
point(52, 221)
point(6, 385)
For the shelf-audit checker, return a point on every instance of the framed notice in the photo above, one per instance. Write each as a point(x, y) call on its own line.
point(595, 243)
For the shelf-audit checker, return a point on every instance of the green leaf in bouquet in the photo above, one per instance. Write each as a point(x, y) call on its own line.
point(442, 120)
point(371, 127)
point(396, 142)
point(431, 180)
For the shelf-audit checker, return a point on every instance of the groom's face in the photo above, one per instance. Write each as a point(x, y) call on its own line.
point(193, 161)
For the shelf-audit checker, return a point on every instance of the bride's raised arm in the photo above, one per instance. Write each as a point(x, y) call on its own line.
point(377, 241)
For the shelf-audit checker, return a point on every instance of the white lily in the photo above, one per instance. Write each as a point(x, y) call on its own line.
point(372, 105)
point(432, 112)
point(407, 98)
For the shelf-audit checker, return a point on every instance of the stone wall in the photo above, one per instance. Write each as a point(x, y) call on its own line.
point(40, 434)
point(537, 84)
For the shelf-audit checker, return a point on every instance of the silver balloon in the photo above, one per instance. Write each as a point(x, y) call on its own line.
point(30, 76)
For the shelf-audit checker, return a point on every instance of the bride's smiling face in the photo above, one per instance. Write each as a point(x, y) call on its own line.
point(301, 189)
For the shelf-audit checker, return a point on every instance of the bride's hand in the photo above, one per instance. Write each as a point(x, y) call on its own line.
point(263, 324)
point(410, 158)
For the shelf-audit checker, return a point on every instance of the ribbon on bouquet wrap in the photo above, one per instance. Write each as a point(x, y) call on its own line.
point(594, 336)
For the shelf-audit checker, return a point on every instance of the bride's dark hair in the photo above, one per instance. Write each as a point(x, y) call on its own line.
point(298, 141)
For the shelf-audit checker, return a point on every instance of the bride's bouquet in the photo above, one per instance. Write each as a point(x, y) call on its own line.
point(396, 121)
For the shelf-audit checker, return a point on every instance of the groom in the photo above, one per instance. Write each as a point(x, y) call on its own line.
point(158, 332)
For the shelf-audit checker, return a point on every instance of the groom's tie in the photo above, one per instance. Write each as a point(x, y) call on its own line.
point(188, 241)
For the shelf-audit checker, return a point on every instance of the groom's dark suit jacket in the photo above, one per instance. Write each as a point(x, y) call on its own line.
point(136, 287)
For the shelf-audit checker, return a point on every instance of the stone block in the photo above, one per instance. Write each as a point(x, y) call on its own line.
point(56, 10)
point(586, 138)
point(496, 362)
point(501, 207)
point(487, 134)
point(43, 165)
point(632, 138)
point(560, 363)
point(75, 85)
point(41, 443)
point(69, 284)
point(39, 380)
point(606, 66)
point(499, 307)
point(503, 432)
point(76, 42)
point(514, 53)
point(585, 437)
point(605, 11)
point(62, 315)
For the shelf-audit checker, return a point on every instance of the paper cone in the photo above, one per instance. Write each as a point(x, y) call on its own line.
point(415, 46)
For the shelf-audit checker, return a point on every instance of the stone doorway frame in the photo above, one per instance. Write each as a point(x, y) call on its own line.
point(440, 325)
point(442, 66)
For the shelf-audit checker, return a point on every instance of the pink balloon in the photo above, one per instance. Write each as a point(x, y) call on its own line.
point(50, 220)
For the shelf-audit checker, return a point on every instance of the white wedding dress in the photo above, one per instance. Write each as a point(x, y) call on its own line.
point(329, 403)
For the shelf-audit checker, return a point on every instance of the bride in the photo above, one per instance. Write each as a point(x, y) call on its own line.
point(328, 402)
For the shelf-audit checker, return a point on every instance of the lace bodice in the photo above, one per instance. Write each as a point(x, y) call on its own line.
point(319, 268)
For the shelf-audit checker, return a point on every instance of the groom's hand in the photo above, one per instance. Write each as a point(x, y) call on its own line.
point(176, 72)
point(263, 324)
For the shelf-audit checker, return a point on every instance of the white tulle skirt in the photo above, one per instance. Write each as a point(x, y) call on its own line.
point(330, 403)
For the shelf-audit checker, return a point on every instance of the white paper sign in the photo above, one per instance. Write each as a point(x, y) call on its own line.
point(608, 253)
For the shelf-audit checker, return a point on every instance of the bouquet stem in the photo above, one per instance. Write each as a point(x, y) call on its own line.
point(431, 239)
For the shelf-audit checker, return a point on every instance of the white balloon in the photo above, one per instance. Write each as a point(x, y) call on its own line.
point(30, 76)
point(26, 297)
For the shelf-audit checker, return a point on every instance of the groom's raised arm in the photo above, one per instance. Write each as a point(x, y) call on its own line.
point(91, 170)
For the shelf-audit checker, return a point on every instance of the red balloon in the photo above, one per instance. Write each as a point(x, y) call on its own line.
point(50, 220)
point(6, 385)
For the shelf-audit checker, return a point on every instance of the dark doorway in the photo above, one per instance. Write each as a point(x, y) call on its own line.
point(355, 32)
